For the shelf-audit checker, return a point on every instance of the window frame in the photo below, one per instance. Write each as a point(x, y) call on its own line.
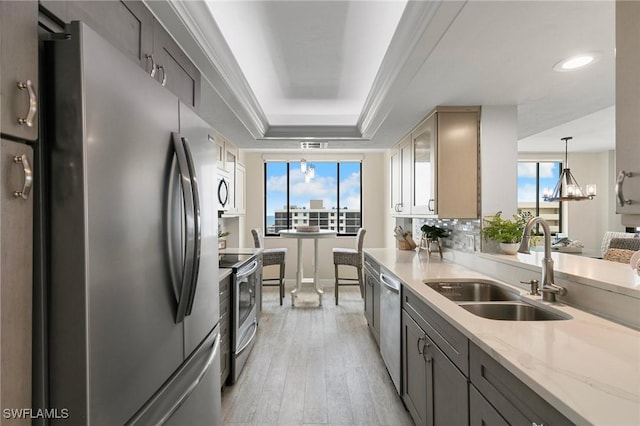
point(288, 197)
point(537, 207)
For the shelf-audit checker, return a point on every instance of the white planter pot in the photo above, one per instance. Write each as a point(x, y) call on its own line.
point(509, 248)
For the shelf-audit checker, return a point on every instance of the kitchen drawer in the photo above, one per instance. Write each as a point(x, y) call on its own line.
point(371, 265)
point(225, 307)
point(225, 362)
point(450, 341)
point(514, 400)
point(224, 326)
point(225, 285)
point(482, 413)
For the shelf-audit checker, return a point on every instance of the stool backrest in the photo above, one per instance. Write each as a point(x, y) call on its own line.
point(258, 238)
point(360, 239)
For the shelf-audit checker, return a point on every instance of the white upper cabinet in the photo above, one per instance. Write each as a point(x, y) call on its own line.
point(400, 173)
point(424, 168)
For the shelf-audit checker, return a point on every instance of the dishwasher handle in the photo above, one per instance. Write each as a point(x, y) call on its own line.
point(390, 283)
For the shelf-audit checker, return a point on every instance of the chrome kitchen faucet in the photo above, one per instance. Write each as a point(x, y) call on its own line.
point(549, 289)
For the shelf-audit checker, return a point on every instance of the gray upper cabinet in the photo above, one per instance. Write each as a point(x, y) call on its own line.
point(627, 111)
point(19, 69)
point(131, 27)
point(176, 71)
point(128, 25)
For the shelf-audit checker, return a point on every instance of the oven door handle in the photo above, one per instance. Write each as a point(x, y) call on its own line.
point(197, 226)
point(244, 274)
point(190, 235)
point(253, 336)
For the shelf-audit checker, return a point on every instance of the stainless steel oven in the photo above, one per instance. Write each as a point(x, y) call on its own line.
point(244, 321)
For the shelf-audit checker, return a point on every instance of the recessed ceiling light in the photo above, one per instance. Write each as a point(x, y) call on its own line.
point(576, 62)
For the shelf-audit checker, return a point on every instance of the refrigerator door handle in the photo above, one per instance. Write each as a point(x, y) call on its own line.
point(189, 215)
point(154, 411)
point(197, 226)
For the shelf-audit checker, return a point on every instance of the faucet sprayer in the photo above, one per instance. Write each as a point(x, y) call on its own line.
point(549, 289)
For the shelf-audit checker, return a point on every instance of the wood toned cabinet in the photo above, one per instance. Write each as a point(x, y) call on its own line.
point(445, 164)
point(16, 265)
point(19, 69)
point(627, 112)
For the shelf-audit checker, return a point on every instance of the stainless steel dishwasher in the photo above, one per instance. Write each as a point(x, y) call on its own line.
point(390, 328)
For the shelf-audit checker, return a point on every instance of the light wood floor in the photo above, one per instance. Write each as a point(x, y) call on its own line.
point(312, 366)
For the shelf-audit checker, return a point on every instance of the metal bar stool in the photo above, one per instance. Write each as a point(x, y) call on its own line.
point(350, 257)
point(272, 256)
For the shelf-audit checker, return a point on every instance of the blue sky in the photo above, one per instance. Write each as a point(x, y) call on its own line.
point(549, 173)
point(322, 186)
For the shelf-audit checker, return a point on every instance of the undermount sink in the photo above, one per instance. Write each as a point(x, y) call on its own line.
point(511, 311)
point(488, 299)
point(473, 291)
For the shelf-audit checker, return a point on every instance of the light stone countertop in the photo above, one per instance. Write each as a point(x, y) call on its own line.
point(610, 276)
point(224, 273)
point(248, 250)
point(587, 367)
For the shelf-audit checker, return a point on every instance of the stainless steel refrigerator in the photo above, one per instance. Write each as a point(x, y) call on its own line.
point(131, 299)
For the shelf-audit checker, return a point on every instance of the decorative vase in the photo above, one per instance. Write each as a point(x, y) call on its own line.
point(509, 248)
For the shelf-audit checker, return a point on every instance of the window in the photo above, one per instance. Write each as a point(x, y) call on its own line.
point(331, 199)
point(533, 178)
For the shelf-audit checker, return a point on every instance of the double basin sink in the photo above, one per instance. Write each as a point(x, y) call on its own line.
point(490, 300)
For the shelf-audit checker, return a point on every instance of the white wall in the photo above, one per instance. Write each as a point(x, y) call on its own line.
point(587, 221)
point(373, 180)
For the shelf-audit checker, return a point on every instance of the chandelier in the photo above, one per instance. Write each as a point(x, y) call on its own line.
point(567, 188)
point(308, 170)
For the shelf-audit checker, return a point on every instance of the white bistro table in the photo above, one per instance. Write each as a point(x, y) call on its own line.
point(300, 235)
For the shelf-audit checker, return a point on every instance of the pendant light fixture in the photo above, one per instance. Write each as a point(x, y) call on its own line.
point(567, 188)
point(308, 170)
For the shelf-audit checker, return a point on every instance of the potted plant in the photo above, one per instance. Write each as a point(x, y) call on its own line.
point(433, 233)
point(507, 232)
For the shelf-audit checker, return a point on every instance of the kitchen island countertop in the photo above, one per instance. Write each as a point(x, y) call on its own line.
point(587, 367)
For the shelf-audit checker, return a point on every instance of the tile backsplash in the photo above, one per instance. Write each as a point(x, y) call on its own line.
point(464, 234)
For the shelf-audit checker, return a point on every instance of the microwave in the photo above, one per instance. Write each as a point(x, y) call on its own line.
point(224, 193)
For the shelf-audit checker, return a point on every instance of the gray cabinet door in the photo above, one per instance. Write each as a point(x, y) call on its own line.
point(16, 228)
point(179, 74)
point(414, 370)
point(19, 69)
point(128, 25)
point(447, 389)
point(434, 390)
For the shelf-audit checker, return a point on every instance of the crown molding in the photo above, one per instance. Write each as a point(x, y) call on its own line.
point(422, 25)
point(417, 35)
point(227, 77)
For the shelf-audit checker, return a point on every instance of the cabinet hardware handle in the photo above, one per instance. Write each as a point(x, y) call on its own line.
point(33, 103)
point(28, 176)
point(164, 75)
point(431, 205)
point(421, 348)
point(149, 58)
point(618, 188)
